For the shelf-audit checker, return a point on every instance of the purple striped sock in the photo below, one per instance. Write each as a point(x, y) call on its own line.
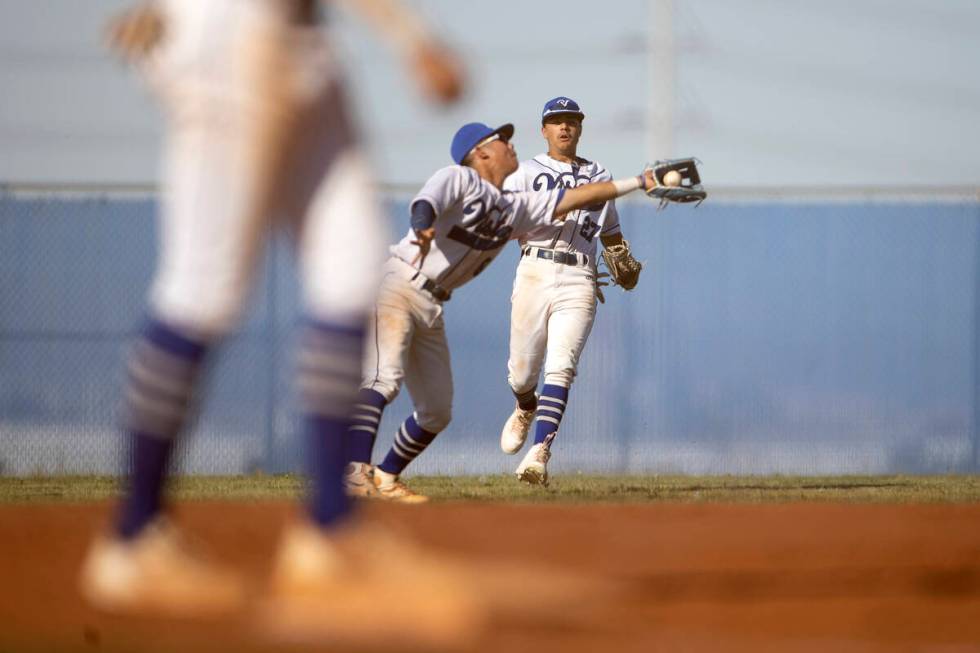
point(551, 408)
point(368, 408)
point(329, 373)
point(410, 440)
point(164, 367)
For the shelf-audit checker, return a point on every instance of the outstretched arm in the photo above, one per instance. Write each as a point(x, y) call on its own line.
point(435, 67)
point(134, 32)
point(589, 194)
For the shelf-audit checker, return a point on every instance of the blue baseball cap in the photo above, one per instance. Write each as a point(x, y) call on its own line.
point(561, 104)
point(472, 133)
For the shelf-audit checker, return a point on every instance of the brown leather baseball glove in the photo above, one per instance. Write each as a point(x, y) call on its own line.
point(623, 268)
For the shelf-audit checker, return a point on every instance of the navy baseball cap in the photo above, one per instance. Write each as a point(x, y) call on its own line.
point(561, 104)
point(472, 133)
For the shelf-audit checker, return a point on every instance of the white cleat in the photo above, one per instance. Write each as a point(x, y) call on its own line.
point(534, 468)
point(359, 481)
point(361, 585)
point(513, 436)
point(155, 574)
point(390, 488)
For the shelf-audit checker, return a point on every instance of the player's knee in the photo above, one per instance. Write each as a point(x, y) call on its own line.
point(335, 302)
point(562, 377)
point(520, 378)
point(208, 314)
point(353, 299)
point(435, 419)
point(386, 389)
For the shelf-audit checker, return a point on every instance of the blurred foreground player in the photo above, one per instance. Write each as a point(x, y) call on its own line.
point(260, 137)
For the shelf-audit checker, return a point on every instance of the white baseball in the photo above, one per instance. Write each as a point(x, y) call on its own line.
point(672, 178)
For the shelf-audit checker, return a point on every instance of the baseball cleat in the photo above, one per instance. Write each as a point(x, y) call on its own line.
point(391, 489)
point(359, 481)
point(513, 436)
point(337, 585)
point(534, 468)
point(155, 573)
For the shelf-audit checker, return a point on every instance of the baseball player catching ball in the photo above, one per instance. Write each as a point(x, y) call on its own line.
point(555, 291)
point(259, 127)
point(461, 219)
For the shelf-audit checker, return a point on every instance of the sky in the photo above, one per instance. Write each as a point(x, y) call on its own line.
point(767, 93)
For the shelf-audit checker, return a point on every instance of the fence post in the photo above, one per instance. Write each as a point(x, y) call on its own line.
point(976, 344)
point(272, 353)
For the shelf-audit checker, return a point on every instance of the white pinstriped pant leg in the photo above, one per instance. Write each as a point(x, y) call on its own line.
point(573, 312)
point(553, 310)
point(407, 342)
point(391, 330)
point(429, 377)
point(530, 308)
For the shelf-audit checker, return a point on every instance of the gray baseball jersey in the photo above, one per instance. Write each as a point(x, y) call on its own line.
point(578, 232)
point(474, 221)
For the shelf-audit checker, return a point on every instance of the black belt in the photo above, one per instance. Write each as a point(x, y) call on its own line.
point(436, 290)
point(568, 258)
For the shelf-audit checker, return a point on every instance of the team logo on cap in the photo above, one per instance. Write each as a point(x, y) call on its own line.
point(561, 104)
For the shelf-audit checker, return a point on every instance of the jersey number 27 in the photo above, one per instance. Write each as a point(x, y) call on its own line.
point(589, 229)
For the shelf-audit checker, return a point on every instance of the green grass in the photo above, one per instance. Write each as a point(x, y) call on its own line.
point(567, 489)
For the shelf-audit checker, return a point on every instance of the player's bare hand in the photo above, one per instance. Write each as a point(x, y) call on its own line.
point(649, 181)
point(423, 239)
point(438, 72)
point(600, 283)
point(135, 32)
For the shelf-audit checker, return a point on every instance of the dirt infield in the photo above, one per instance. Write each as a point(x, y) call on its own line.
point(702, 577)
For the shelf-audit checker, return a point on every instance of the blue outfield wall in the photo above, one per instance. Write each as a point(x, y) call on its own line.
point(763, 338)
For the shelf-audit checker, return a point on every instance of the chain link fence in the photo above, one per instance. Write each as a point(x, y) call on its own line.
point(767, 335)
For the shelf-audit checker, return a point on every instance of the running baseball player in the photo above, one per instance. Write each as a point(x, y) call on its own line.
point(259, 127)
point(460, 221)
point(555, 291)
